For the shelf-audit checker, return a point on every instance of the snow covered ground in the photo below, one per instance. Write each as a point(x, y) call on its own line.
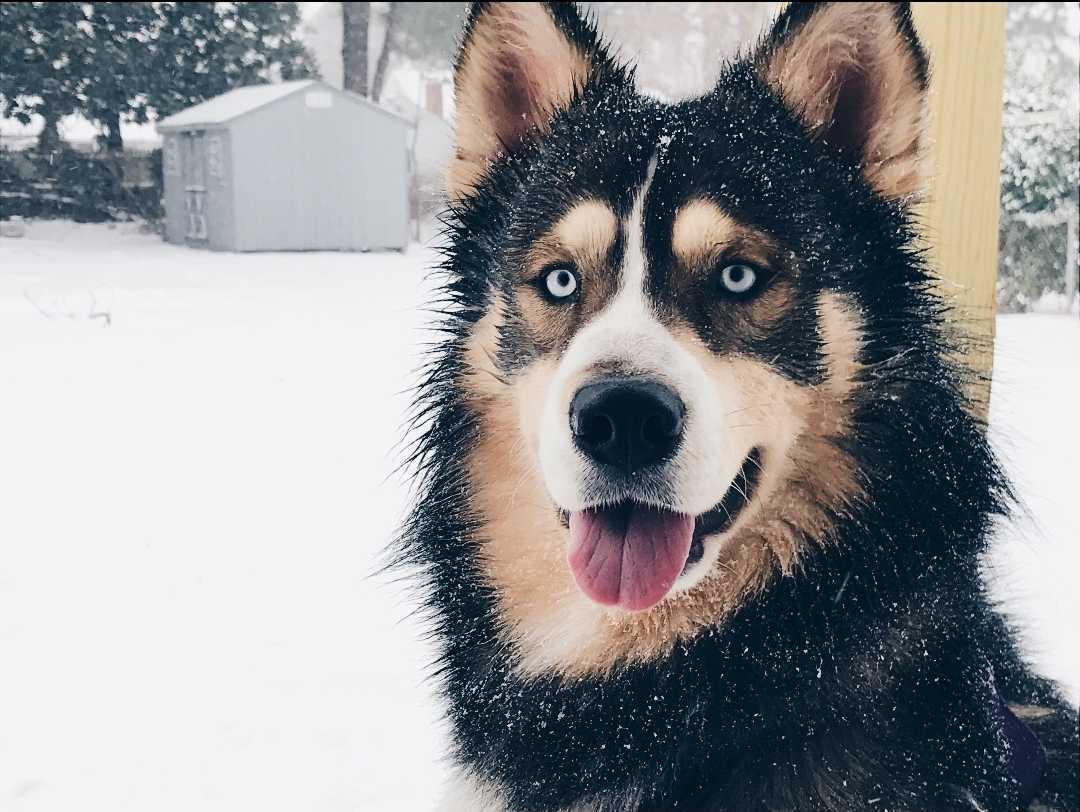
point(195, 485)
point(1034, 411)
point(192, 501)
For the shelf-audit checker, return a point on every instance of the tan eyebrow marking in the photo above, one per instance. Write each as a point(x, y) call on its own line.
point(590, 227)
point(584, 234)
point(700, 231)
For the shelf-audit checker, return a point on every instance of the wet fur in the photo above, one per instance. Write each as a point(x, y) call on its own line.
point(860, 677)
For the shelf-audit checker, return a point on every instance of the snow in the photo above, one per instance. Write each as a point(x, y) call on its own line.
point(1034, 406)
point(194, 500)
point(145, 137)
point(196, 463)
point(235, 103)
point(78, 130)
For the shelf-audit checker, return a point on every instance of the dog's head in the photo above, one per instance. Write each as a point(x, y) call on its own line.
point(668, 313)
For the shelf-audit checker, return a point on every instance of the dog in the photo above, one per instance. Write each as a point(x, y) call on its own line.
point(701, 492)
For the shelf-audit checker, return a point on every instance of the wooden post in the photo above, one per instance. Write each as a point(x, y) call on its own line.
point(966, 45)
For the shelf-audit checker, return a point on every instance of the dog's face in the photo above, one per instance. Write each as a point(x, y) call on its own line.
point(676, 308)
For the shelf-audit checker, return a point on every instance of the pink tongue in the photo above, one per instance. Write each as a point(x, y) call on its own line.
point(628, 556)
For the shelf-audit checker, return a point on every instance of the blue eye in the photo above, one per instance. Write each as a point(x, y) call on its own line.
point(560, 283)
point(738, 278)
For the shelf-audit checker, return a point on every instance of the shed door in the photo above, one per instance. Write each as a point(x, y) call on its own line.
point(194, 146)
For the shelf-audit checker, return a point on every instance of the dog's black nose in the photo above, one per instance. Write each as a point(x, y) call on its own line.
point(628, 422)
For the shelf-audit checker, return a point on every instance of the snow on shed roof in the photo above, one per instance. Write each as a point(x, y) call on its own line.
point(236, 103)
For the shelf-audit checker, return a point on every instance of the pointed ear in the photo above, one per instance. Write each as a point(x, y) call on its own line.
point(857, 76)
point(519, 63)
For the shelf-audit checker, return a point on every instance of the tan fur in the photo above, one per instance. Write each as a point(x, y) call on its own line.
point(842, 341)
point(587, 231)
point(517, 69)
point(523, 544)
point(482, 376)
point(700, 228)
point(702, 236)
point(838, 41)
point(1031, 712)
point(583, 238)
point(767, 310)
point(702, 232)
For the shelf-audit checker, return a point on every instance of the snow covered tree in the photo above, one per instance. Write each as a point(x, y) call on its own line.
point(204, 49)
point(115, 64)
point(38, 42)
point(114, 61)
point(427, 34)
point(393, 15)
point(1040, 168)
point(678, 47)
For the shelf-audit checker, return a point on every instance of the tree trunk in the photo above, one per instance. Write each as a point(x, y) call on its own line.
point(354, 46)
point(112, 140)
point(49, 139)
point(379, 79)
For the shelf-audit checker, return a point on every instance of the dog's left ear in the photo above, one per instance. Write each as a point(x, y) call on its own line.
point(519, 64)
point(856, 75)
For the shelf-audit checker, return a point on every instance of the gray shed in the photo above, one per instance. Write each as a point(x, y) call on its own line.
point(295, 166)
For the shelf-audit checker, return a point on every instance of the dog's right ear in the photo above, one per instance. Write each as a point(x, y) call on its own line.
point(519, 64)
point(857, 76)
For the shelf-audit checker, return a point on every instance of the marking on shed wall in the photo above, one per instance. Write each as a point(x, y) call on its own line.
point(172, 156)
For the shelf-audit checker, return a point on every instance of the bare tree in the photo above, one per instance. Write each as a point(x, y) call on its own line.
point(355, 19)
point(393, 16)
point(678, 47)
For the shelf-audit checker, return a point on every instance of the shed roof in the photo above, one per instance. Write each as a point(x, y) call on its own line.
point(236, 103)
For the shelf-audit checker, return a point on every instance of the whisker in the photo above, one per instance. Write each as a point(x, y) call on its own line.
point(751, 406)
point(740, 491)
point(495, 364)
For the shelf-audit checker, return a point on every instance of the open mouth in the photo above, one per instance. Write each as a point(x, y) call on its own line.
point(630, 554)
point(727, 510)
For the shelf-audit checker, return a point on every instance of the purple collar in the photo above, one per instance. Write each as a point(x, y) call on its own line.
point(1026, 759)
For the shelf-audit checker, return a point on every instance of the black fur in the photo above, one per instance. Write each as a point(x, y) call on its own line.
point(867, 681)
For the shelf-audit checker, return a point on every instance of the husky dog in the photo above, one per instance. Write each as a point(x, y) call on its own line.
point(702, 498)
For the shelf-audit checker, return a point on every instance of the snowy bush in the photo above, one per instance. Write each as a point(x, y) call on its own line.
point(1040, 166)
point(83, 187)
